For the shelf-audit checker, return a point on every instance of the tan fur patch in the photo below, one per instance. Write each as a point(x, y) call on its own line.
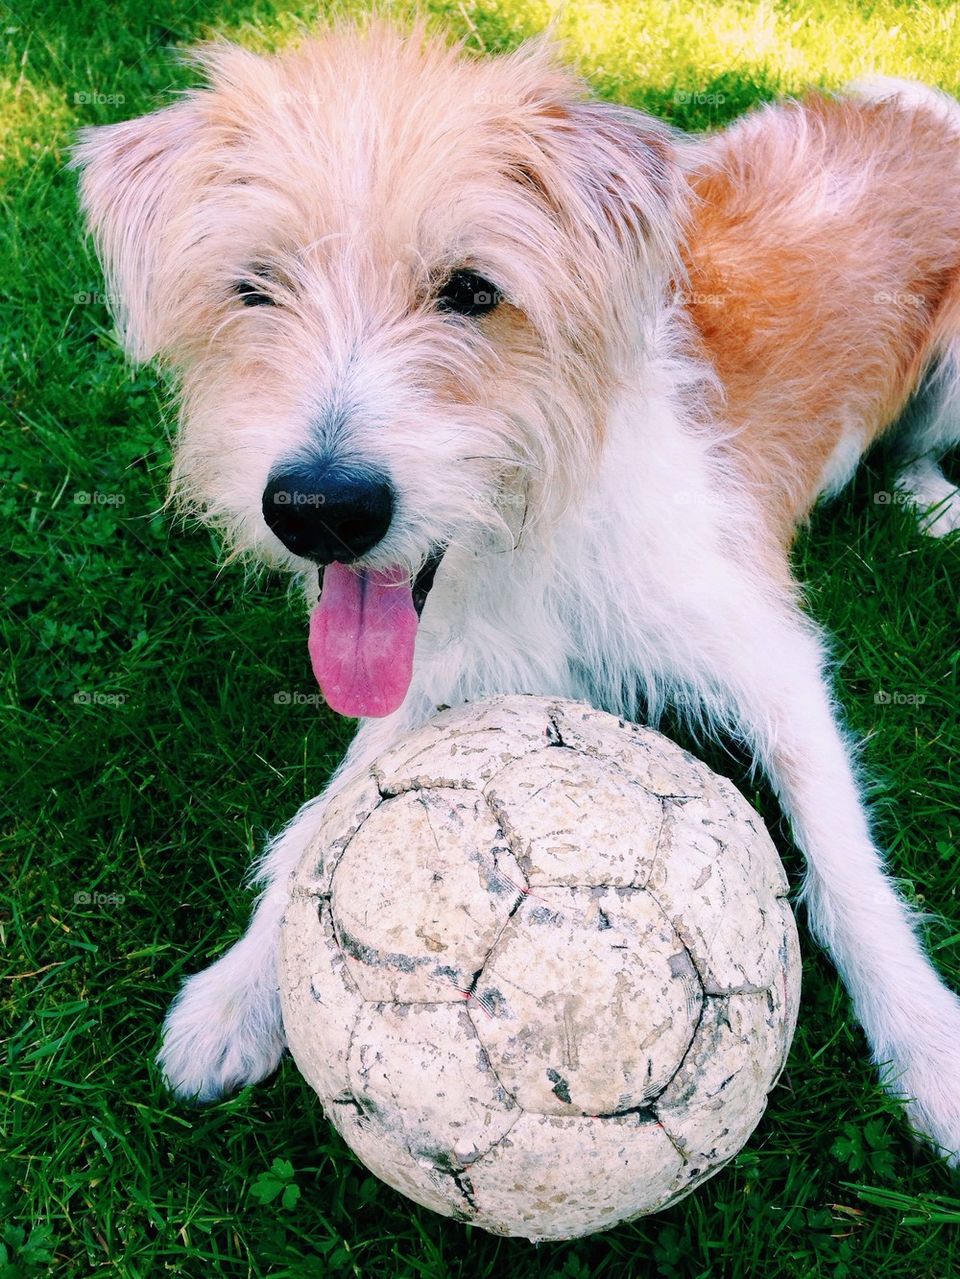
point(822, 253)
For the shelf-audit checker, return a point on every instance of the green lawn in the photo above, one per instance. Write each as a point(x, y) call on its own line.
point(148, 755)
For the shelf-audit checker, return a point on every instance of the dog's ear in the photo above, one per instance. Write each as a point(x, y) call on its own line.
point(137, 180)
point(628, 171)
point(613, 175)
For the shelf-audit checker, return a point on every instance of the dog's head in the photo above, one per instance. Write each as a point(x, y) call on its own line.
point(396, 287)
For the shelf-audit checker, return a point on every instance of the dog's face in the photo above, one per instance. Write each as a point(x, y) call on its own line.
point(396, 287)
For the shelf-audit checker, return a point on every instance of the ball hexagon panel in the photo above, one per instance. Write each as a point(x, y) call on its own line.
point(419, 1179)
point(608, 1169)
point(743, 827)
point(588, 1001)
point(574, 820)
point(718, 895)
point(422, 1071)
point(716, 1098)
point(420, 894)
point(344, 812)
point(648, 757)
point(321, 1002)
point(453, 751)
point(785, 989)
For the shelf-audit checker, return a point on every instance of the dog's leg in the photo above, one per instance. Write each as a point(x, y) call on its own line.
point(929, 427)
point(767, 666)
point(223, 1030)
point(936, 500)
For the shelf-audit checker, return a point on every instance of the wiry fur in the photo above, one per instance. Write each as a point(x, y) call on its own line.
point(694, 344)
point(823, 229)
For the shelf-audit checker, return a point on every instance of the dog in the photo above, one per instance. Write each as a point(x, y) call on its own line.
point(540, 390)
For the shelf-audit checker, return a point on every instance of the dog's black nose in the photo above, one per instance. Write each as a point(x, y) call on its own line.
point(328, 512)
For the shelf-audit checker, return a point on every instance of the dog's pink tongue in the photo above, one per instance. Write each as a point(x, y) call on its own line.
point(361, 639)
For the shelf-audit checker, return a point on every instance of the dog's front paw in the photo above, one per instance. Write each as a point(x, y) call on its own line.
point(934, 498)
point(926, 1073)
point(222, 1032)
point(933, 1104)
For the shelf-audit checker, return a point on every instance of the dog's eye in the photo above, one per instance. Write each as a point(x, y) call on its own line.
point(466, 293)
point(253, 288)
point(252, 293)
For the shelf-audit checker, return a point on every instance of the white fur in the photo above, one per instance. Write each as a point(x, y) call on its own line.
point(936, 499)
point(842, 463)
point(911, 94)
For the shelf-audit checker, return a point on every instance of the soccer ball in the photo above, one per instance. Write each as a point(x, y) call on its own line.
point(540, 968)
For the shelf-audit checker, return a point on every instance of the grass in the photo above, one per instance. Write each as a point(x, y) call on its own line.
point(147, 754)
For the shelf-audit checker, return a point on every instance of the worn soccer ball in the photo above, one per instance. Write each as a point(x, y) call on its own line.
point(540, 968)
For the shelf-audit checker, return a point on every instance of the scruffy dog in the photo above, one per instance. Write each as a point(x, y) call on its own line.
point(540, 390)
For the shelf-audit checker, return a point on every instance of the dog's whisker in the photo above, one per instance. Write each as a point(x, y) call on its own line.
point(519, 464)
